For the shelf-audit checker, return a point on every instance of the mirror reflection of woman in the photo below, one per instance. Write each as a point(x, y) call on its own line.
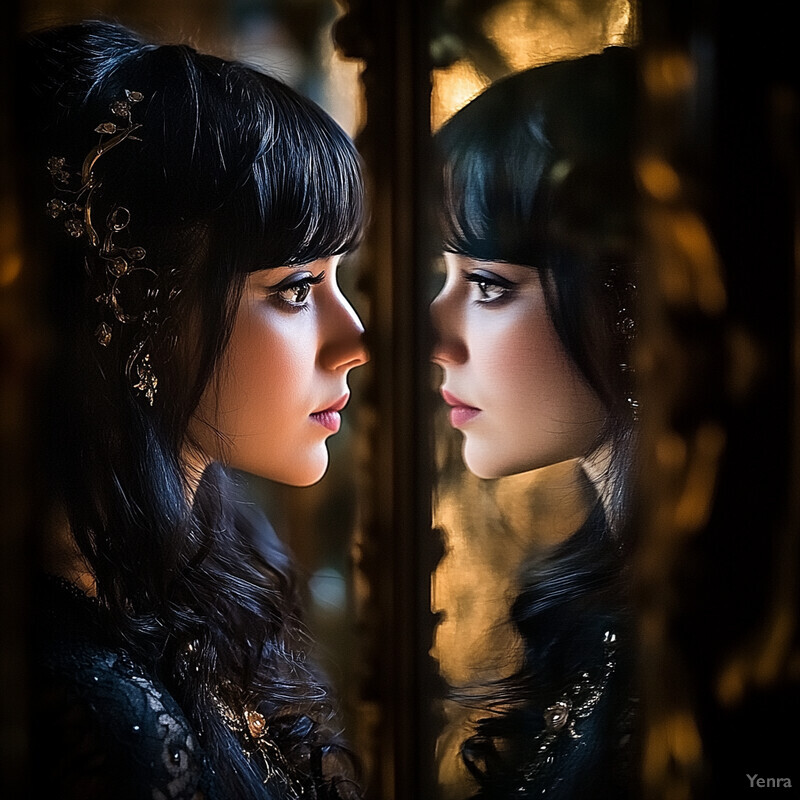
point(535, 325)
point(197, 212)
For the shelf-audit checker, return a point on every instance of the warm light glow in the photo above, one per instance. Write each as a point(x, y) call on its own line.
point(699, 251)
point(763, 661)
point(694, 504)
point(745, 357)
point(344, 89)
point(690, 272)
point(527, 34)
point(490, 528)
point(659, 178)
point(670, 450)
point(10, 268)
point(731, 683)
point(672, 740)
point(453, 88)
point(10, 256)
point(668, 74)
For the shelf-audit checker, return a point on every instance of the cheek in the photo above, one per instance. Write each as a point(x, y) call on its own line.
point(564, 416)
point(543, 369)
point(538, 409)
point(504, 350)
point(261, 362)
point(261, 401)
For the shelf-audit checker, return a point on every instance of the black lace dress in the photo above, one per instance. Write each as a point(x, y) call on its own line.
point(101, 727)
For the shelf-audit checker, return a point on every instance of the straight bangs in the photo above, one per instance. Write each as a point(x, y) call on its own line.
point(487, 211)
point(302, 197)
point(268, 175)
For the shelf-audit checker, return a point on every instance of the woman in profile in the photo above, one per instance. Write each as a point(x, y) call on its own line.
point(535, 325)
point(188, 215)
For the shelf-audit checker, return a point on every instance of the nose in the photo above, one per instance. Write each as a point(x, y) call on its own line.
point(449, 347)
point(343, 346)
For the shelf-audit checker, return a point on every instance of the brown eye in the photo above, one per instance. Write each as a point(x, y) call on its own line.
point(489, 289)
point(295, 294)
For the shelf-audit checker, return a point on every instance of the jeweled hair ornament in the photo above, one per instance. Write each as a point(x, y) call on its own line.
point(74, 205)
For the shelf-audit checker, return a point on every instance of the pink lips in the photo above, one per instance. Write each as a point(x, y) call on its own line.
point(460, 412)
point(330, 417)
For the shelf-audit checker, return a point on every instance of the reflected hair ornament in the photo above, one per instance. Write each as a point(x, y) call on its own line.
point(115, 263)
point(624, 292)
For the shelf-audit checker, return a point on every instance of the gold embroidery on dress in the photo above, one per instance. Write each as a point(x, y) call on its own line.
point(575, 705)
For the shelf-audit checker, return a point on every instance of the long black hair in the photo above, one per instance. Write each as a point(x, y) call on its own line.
point(231, 171)
point(537, 171)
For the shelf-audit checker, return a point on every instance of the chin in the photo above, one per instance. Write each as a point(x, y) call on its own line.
point(301, 478)
point(309, 473)
point(490, 463)
point(298, 473)
point(308, 481)
point(478, 465)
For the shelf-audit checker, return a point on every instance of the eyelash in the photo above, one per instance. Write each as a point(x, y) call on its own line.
point(302, 285)
point(485, 283)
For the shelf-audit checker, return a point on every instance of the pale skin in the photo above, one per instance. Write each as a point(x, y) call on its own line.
point(282, 382)
point(516, 396)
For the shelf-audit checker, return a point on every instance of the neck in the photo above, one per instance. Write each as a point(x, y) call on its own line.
point(596, 466)
point(195, 464)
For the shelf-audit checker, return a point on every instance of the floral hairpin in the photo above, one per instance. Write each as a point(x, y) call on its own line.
point(74, 205)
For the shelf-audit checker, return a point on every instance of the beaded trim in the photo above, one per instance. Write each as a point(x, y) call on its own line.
point(575, 705)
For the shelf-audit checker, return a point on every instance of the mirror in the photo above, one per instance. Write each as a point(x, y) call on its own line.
point(515, 499)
